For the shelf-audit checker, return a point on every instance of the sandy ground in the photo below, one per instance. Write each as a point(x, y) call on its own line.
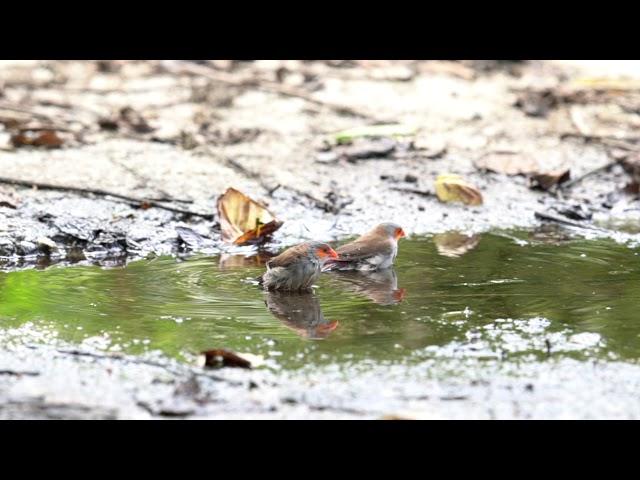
point(209, 135)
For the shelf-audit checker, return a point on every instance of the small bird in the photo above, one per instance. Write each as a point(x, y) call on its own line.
point(374, 250)
point(298, 267)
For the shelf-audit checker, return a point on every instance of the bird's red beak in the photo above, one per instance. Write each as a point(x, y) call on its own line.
point(400, 233)
point(331, 254)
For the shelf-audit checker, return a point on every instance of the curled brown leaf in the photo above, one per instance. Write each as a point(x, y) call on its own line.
point(243, 220)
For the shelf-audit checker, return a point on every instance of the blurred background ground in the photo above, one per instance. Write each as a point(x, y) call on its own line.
point(185, 131)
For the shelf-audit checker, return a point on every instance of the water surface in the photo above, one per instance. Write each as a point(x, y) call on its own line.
point(508, 296)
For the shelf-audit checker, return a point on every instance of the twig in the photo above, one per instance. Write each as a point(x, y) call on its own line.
point(103, 193)
point(18, 373)
point(138, 361)
point(41, 116)
point(229, 79)
point(564, 221)
point(424, 193)
point(602, 168)
point(604, 139)
point(25, 111)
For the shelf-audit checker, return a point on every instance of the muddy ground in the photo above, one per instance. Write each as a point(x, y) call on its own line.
point(187, 131)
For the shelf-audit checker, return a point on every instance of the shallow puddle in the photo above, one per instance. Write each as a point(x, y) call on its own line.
point(505, 295)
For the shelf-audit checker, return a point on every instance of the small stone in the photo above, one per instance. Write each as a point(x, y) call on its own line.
point(326, 157)
point(410, 178)
point(46, 245)
point(7, 248)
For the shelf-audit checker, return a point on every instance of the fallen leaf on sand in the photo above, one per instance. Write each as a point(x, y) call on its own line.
point(39, 138)
point(453, 188)
point(375, 131)
point(509, 163)
point(546, 180)
point(220, 357)
point(455, 244)
point(244, 220)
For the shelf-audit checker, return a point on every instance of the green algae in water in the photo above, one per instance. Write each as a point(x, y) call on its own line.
point(503, 298)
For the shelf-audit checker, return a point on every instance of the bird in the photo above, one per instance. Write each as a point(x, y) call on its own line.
point(297, 268)
point(375, 250)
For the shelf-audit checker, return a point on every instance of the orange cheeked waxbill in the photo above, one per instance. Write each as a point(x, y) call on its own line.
point(297, 268)
point(374, 250)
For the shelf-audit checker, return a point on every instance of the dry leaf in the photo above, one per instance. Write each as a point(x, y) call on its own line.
point(220, 357)
point(454, 244)
point(453, 188)
point(244, 220)
point(508, 163)
point(37, 138)
point(547, 180)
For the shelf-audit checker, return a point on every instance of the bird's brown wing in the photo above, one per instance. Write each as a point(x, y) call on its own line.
point(361, 249)
point(288, 257)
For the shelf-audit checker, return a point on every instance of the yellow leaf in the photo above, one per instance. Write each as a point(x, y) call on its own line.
point(453, 188)
point(243, 220)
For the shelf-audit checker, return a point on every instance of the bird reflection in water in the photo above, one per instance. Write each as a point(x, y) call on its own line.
point(301, 313)
point(380, 286)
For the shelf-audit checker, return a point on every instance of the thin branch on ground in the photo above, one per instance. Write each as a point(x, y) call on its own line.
point(424, 193)
point(136, 202)
point(571, 183)
point(550, 217)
